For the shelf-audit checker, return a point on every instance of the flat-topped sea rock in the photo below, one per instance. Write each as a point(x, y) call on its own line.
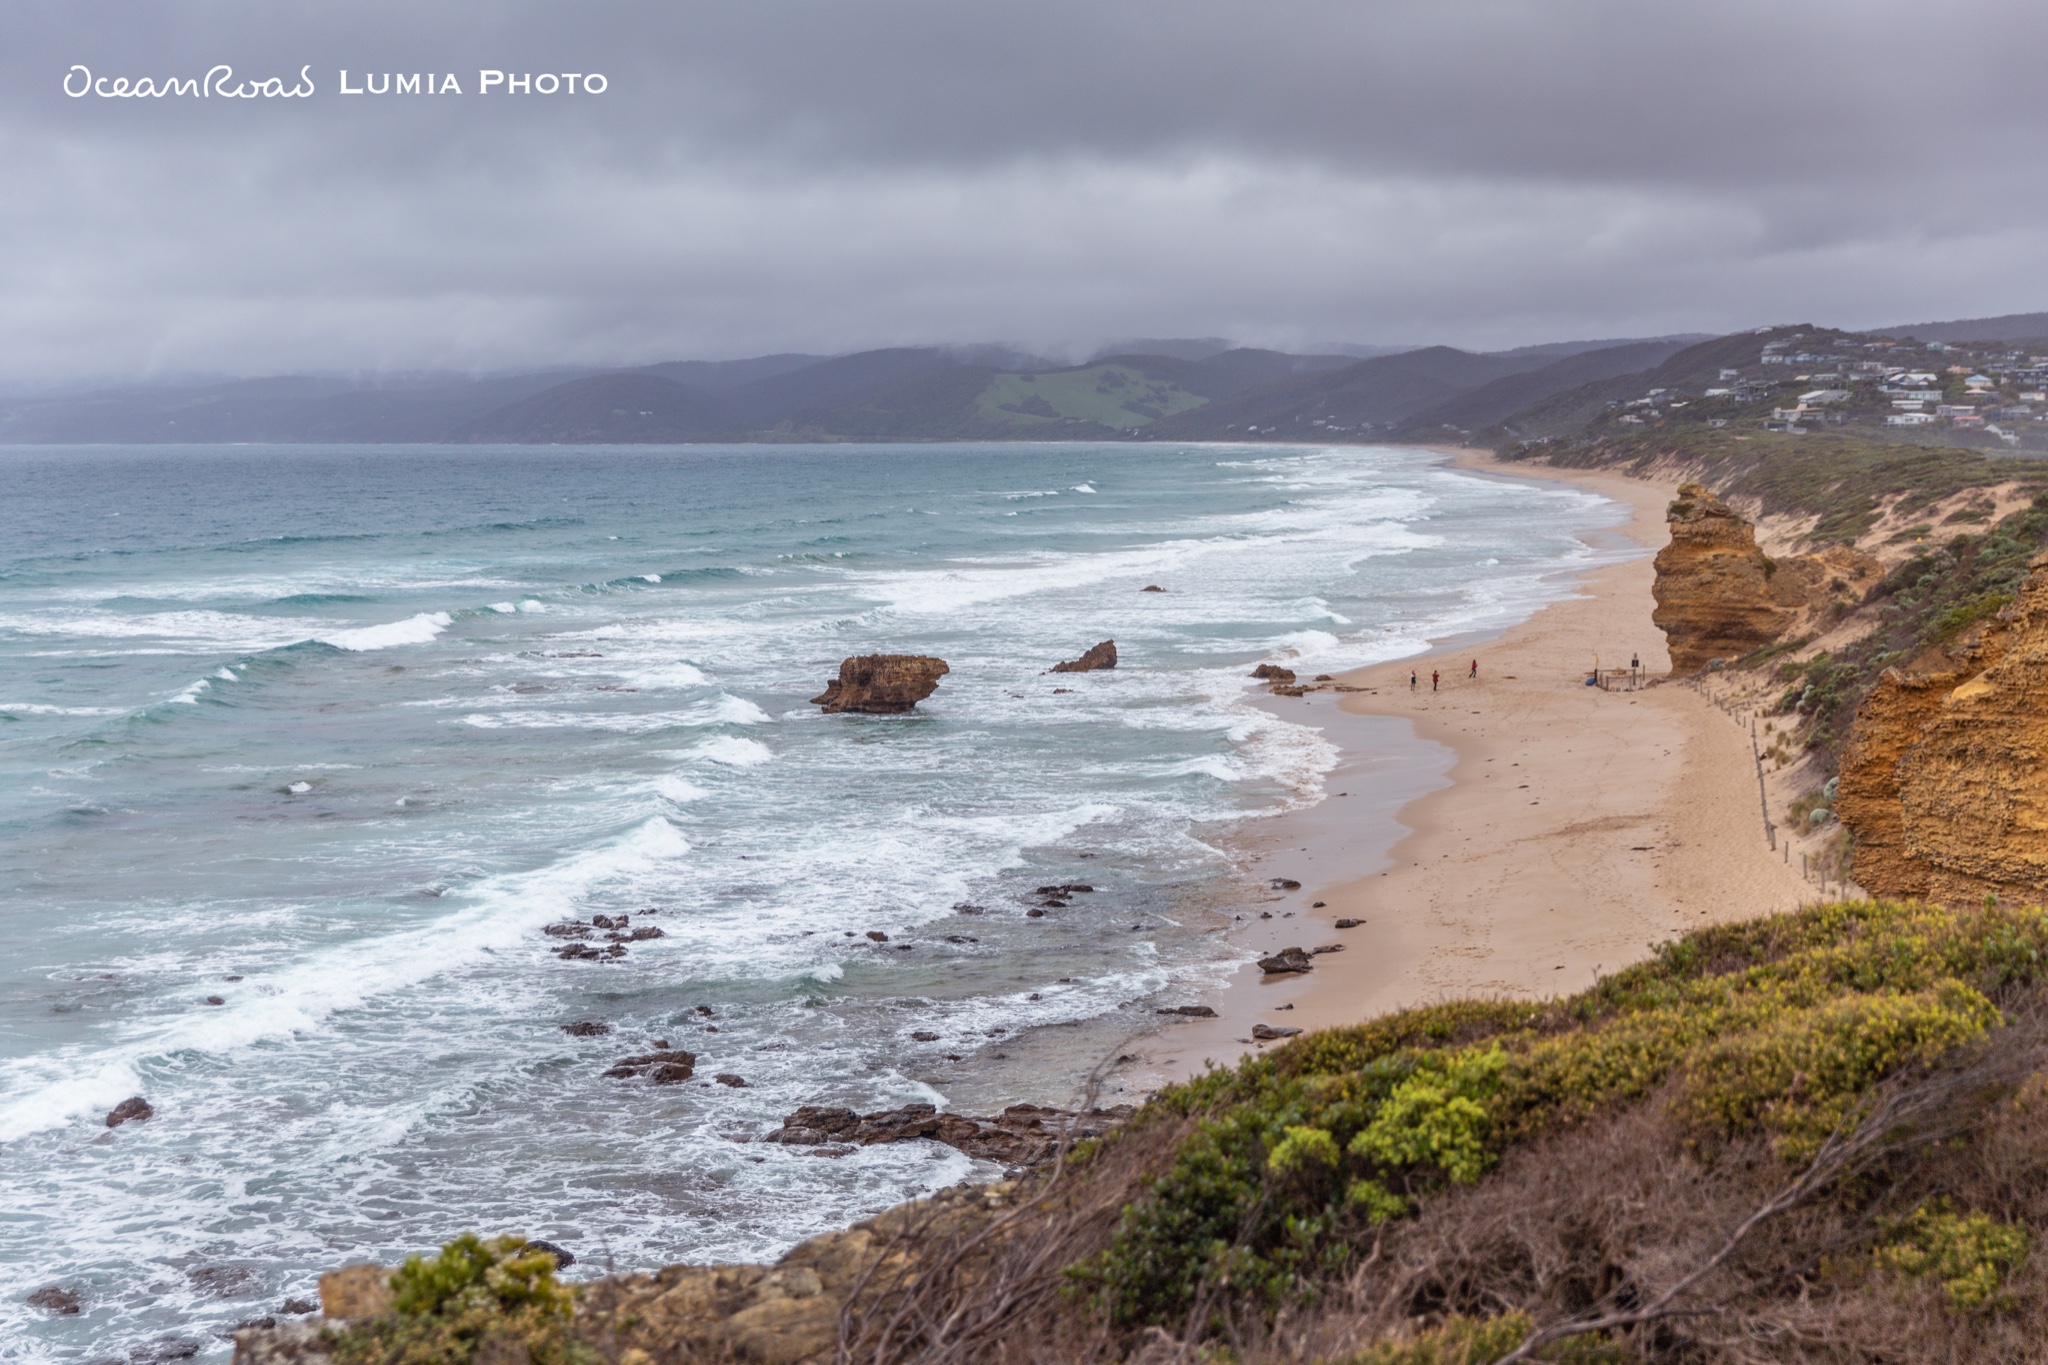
point(882, 684)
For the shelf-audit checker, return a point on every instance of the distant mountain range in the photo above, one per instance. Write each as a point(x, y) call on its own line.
point(1156, 388)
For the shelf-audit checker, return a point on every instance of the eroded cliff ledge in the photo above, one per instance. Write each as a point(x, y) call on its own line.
point(1944, 780)
point(1720, 597)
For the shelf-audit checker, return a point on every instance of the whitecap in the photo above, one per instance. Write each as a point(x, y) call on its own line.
point(736, 752)
point(678, 790)
point(827, 972)
point(413, 630)
point(505, 608)
point(31, 708)
point(651, 577)
point(1082, 488)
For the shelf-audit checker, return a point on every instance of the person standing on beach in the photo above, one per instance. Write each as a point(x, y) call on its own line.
point(1433, 677)
point(1411, 680)
point(1474, 674)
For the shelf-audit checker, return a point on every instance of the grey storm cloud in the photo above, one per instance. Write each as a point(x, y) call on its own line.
point(831, 174)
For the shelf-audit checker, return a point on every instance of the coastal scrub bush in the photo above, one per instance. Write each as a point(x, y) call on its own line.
point(1777, 1029)
point(1480, 1341)
point(1968, 1255)
point(473, 1294)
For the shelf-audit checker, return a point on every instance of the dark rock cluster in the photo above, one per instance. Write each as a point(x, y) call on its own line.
point(1022, 1135)
point(617, 931)
point(663, 1066)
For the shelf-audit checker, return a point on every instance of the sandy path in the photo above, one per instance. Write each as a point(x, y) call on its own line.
point(1579, 825)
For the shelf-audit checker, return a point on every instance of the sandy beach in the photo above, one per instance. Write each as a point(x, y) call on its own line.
point(1557, 832)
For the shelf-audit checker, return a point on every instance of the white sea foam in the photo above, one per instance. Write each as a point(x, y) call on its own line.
point(735, 752)
point(31, 708)
point(498, 914)
point(413, 630)
point(679, 790)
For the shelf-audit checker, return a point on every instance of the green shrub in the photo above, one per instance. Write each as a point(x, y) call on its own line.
point(1799, 1076)
point(1437, 1117)
point(1779, 1027)
point(1968, 1254)
point(472, 1293)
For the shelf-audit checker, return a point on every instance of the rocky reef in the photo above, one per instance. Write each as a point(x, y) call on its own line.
point(882, 684)
point(1721, 597)
point(1944, 779)
point(1022, 1135)
point(1097, 656)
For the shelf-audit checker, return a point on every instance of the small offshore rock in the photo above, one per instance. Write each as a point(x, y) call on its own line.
point(1327, 948)
point(297, 1307)
point(357, 1291)
point(728, 1078)
point(55, 1298)
point(574, 928)
point(134, 1107)
point(563, 1260)
point(1284, 884)
point(1273, 673)
point(1151, 587)
point(1097, 656)
point(215, 1000)
point(587, 1028)
point(1191, 1011)
point(882, 684)
point(607, 922)
point(1266, 1032)
point(1286, 960)
point(924, 1036)
point(645, 932)
point(662, 1067)
point(878, 936)
point(1349, 923)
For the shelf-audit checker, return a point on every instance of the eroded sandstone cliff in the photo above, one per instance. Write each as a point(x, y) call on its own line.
point(1944, 779)
point(1720, 597)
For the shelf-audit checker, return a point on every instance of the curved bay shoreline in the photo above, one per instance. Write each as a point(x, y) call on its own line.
point(1548, 831)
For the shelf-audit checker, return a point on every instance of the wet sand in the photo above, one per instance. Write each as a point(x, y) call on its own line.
point(1553, 830)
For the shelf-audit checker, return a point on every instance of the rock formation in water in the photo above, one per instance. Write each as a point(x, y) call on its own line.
point(1944, 780)
point(1101, 656)
point(1022, 1135)
point(1720, 597)
point(882, 684)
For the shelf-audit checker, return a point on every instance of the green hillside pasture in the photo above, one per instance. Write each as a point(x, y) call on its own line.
point(1114, 395)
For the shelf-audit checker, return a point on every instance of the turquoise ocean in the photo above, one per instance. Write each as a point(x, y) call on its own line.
point(331, 734)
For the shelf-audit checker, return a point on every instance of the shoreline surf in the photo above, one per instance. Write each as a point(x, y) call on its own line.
point(1547, 831)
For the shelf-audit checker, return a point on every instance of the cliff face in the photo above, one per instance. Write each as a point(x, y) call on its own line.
point(1944, 779)
point(1720, 597)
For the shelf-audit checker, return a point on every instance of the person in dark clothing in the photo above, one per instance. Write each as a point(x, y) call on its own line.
point(1433, 676)
point(1411, 680)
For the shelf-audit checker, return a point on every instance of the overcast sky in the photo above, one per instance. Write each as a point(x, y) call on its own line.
point(828, 175)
